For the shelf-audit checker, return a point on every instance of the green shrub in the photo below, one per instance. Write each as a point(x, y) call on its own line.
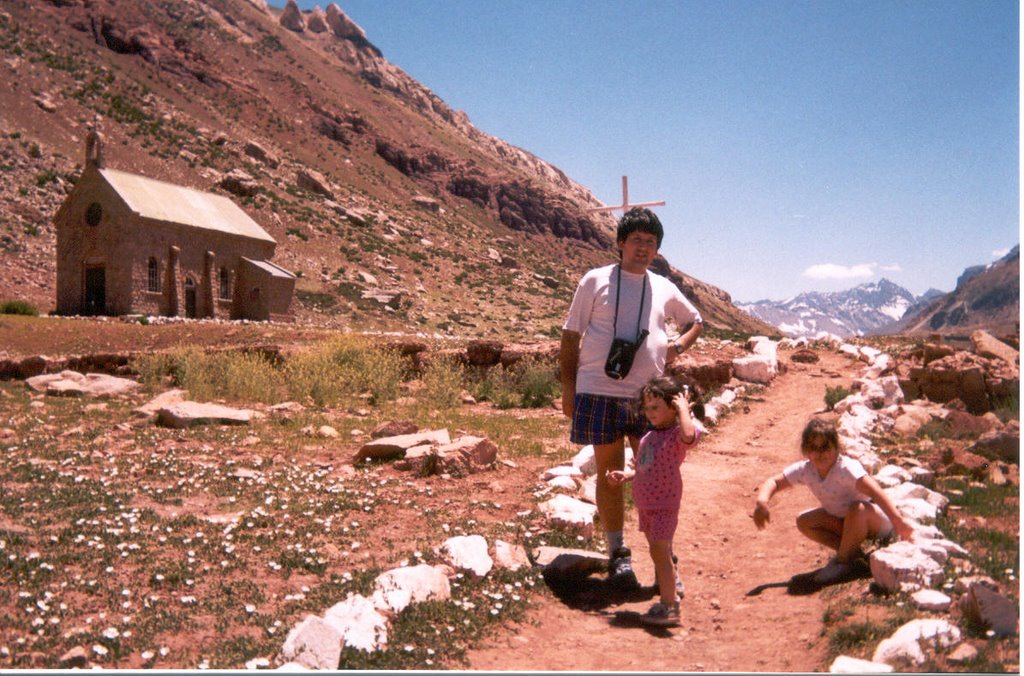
point(18, 307)
point(834, 395)
point(443, 383)
point(346, 367)
point(529, 384)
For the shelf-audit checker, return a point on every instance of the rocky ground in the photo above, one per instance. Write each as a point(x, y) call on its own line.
point(132, 545)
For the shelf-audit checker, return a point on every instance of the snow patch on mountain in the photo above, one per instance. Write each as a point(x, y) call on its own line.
point(864, 309)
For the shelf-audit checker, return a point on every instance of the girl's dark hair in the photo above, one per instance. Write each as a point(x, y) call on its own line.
point(817, 428)
point(639, 219)
point(667, 387)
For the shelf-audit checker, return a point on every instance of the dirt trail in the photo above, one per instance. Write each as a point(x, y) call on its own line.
point(722, 558)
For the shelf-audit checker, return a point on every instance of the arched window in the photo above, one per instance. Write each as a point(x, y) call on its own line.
point(94, 214)
point(154, 275)
point(225, 284)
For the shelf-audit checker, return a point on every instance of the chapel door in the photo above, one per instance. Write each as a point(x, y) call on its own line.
point(190, 298)
point(95, 290)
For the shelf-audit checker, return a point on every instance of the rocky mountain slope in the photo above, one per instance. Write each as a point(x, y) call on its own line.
point(855, 312)
point(985, 297)
point(394, 210)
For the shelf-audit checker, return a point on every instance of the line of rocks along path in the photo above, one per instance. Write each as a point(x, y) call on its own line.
point(722, 557)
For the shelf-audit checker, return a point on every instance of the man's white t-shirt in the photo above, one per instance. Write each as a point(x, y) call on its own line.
point(838, 490)
point(592, 315)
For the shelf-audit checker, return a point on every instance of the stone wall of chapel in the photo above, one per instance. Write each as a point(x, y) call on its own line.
point(154, 239)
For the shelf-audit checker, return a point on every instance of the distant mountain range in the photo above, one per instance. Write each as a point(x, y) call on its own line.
point(855, 312)
point(986, 296)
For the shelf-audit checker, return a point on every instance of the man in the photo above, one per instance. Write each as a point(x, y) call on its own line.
point(620, 301)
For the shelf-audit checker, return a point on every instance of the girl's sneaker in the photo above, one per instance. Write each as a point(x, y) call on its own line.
point(661, 615)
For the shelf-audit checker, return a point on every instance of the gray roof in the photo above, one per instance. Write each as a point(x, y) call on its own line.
point(177, 204)
point(267, 266)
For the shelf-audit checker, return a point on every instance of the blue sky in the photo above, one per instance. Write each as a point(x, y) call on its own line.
point(799, 145)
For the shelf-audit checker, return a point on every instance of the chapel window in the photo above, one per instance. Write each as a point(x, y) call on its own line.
point(225, 284)
point(154, 275)
point(94, 214)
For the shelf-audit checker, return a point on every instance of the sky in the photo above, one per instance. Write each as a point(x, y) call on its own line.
point(799, 145)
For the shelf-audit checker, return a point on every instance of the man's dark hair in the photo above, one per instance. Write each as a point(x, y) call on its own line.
point(639, 219)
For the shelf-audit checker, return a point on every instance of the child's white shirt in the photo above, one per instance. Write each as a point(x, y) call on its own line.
point(837, 492)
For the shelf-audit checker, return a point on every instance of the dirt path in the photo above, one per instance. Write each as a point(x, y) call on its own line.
point(722, 558)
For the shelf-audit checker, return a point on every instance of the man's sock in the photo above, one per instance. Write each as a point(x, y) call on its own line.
point(615, 540)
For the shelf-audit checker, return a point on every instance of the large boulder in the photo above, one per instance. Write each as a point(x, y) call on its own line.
point(986, 345)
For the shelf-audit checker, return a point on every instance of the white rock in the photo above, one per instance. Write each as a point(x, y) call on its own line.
point(359, 623)
point(912, 490)
point(852, 665)
point(892, 475)
point(313, 643)
point(585, 462)
point(561, 471)
point(565, 483)
point(755, 369)
point(857, 421)
point(922, 476)
point(400, 587)
point(189, 413)
point(509, 556)
point(469, 553)
point(916, 509)
point(905, 644)
point(903, 566)
point(931, 599)
point(571, 513)
point(868, 354)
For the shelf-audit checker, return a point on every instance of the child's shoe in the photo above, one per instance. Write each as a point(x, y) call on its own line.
point(661, 615)
point(833, 572)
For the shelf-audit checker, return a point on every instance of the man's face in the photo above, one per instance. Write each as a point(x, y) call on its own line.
point(638, 251)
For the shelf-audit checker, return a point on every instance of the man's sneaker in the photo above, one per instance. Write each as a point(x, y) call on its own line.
point(661, 615)
point(833, 572)
point(620, 569)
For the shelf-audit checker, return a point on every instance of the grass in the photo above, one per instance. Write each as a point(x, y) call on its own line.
point(197, 548)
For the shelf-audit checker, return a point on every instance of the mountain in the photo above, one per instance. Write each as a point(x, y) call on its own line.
point(393, 209)
point(855, 312)
point(986, 297)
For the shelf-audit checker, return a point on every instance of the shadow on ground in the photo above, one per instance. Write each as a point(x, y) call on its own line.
point(803, 584)
point(593, 592)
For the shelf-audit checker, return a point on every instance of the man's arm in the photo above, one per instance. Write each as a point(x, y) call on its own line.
point(676, 349)
point(568, 362)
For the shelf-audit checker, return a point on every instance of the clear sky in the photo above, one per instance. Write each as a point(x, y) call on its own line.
point(800, 145)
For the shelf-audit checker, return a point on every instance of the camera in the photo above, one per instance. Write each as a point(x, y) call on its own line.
point(620, 356)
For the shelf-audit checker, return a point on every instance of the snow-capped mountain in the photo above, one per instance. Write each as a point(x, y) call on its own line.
point(855, 312)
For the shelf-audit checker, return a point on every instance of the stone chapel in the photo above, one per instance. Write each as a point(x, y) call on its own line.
point(127, 244)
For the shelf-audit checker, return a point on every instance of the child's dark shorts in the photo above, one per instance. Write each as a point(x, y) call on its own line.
point(597, 419)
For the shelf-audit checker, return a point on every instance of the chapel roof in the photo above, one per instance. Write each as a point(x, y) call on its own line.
point(163, 201)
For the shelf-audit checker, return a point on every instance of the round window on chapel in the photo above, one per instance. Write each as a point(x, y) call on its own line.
point(94, 214)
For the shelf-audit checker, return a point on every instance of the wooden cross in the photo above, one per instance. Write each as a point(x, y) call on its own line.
point(625, 206)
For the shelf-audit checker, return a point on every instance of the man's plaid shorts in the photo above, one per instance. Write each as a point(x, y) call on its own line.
point(597, 419)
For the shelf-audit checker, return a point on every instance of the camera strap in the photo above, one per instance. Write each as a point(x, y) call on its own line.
point(640, 335)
